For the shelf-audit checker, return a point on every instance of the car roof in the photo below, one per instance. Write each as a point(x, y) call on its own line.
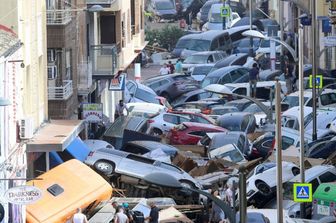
point(259, 84)
point(190, 93)
point(209, 35)
point(235, 115)
point(308, 92)
point(229, 59)
point(167, 76)
point(223, 70)
point(294, 111)
point(313, 172)
point(206, 53)
point(202, 125)
point(150, 144)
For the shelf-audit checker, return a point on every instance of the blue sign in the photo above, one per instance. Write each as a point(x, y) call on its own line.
point(326, 25)
point(302, 192)
point(306, 21)
point(117, 83)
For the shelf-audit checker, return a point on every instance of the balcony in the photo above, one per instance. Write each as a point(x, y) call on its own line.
point(84, 78)
point(104, 59)
point(58, 17)
point(63, 92)
point(113, 5)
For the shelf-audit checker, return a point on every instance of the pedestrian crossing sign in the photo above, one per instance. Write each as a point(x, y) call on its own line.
point(302, 192)
point(318, 81)
point(225, 11)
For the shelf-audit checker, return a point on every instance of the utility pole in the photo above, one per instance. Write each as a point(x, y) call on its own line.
point(314, 60)
point(251, 39)
point(281, 12)
point(224, 18)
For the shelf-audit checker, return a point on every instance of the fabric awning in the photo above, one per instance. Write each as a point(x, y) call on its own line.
point(56, 135)
point(172, 215)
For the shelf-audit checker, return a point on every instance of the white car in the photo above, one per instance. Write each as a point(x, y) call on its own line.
point(143, 109)
point(262, 180)
point(264, 47)
point(228, 152)
point(164, 122)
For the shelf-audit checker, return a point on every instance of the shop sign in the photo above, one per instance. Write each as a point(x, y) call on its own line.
point(117, 83)
point(93, 112)
point(23, 194)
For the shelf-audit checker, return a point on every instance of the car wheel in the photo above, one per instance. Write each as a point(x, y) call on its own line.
point(295, 171)
point(263, 187)
point(157, 132)
point(104, 167)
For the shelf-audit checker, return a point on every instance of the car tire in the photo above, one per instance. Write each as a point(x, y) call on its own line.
point(104, 167)
point(157, 132)
point(295, 171)
point(263, 187)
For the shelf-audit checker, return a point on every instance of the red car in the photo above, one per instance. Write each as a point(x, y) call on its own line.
point(195, 117)
point(189, 133)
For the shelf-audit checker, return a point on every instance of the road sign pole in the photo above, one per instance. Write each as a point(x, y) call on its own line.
point(224, 18)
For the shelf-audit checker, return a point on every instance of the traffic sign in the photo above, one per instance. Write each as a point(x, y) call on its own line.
point(225, 11)
point(318, 81)
point(329, 41)
point(303, 192)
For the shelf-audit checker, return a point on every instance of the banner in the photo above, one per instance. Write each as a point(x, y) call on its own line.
point(92, 112)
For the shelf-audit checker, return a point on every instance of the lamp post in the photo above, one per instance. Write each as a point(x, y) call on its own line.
point(314, 62)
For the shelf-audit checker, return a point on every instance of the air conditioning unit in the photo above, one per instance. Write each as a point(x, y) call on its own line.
point(51, 54)
point(26, 128)
point(52, 72)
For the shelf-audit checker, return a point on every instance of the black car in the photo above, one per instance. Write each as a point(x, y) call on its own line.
point(323, 149)
point(191, 96)
point(240, 104)
point(162, 9)
point(234, 59)
point(269, 74)
point(172, 85)
point(238, 121)
point(263, 146)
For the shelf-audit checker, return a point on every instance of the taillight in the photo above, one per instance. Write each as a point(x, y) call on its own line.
point(150, 121)
point(91, 153)
point(206, 111)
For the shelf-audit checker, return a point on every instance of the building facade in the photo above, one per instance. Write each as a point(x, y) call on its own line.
point(23, 75)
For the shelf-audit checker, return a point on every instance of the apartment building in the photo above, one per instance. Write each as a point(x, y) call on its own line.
point(23, 75)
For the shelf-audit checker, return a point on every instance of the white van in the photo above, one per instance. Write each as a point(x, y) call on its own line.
point(263, 89)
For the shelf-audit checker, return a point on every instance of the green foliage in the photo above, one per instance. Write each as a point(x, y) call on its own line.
point(166, 37)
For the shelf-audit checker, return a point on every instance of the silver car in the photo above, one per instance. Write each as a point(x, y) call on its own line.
point(109, 161)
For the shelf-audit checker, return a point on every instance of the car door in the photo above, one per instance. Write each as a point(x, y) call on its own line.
point(225, 79)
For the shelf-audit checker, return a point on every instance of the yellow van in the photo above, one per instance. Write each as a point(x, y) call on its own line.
point(64, 189)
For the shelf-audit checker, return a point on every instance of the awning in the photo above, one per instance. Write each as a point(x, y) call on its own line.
point(56, 135)
point(171, 215)
point(138, 49)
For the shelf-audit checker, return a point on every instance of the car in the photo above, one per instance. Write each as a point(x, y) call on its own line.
point(263, 145)
point(202, 15)
point(238, 121)
point(261, 182)
point(199, 72)
point(188, 8)
point(231, 74)
point(243, 45)
point(240, 104)
point(136, 92)
point(95, 144)
point(323, 150)
point(189, 133)
point(231, 60)
point(163, 122)
point(215, 20)
point(194, 116)
point(259, 113)
point(219, 110)
point(145, 146)
point(253, 217)
point(327, 98)
point(191, 96)
point(110, 162)
point(143, 109)
point(264, 47)
point(162, 9)
point(205, 57)
point(231, 137)
point(269, 74)
point(315, 175)
point(171, 86)
point(228, 152)
point(202, 106)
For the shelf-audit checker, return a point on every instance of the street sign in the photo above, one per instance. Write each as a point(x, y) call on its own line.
point(92, 112)
point(117, 83)
point(225, 11)
point(329, 41)
point(318, 81)
point(326, 25)
point(303, 192)
point(23, 194)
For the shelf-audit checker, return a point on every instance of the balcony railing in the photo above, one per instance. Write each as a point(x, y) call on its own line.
point(58, 17)
point(104, 59)
point(84, 77)
point(97, 2)
point(61, 93)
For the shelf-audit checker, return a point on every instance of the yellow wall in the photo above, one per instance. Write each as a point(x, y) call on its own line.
point(28, 19)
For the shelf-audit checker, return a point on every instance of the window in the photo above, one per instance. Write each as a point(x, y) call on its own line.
point(327, 99)
point(240, 61)
point(225, 79)
point(197, 133)
point(327, 177)
point(135, 150)
point(290, 123)
point(154, 85)
point(183, 119)
point(145, 96)
point(214, 45)
point(241, 91)
point(199, 119)
point(68, 64)
point(131, 87)
point(140, 159)
point(244, 123)
point(171, 119)
point(286, 142)
point(235, 75)
point(217, 56)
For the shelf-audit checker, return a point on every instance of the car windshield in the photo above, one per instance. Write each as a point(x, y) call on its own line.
point(245, 43)
point(164, 5)
point(293, 101)
point(232, 155)
point(209, 80)
point(146, 96)
point(182, 43)
point(196, 59)
point(180, 100)
point(216, 18)
point(266, 43)
point(198, 45)
point(201, 70)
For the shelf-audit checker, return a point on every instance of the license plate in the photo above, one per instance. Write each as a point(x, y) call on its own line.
point(323, 210)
